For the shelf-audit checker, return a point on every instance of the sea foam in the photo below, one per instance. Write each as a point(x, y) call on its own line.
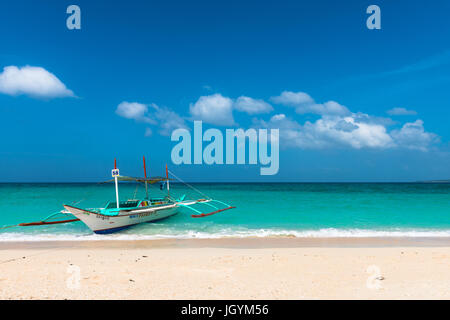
point(229, 233)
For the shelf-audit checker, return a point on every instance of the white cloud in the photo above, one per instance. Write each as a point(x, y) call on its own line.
point(337, 126)
point(413, 136)
point(292, 133)
point(365, 118)
point(32, 81)
point(214, 109)
point(134, 110)
point(168, 120)
point(303, 103)
point(327, 108)
point(401, 112)
point(362, 135)
point(345, 125)
point(293, 99)
point(252, 106)
point(278, 117)
point(329, 131)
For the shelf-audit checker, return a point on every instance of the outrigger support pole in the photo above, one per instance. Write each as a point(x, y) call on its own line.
point(117, 183)
point(145, 175)
point(167, 177)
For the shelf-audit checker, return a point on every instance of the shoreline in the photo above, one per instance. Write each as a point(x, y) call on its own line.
point(236, 243)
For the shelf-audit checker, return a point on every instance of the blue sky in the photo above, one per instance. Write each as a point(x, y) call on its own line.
point(388, 88)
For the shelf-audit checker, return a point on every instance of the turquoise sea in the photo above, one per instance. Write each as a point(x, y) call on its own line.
point(264, 209)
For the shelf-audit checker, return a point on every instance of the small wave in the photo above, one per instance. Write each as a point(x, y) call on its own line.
point(230, 233)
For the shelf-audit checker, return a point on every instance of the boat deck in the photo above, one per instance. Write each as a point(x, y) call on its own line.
point(129, 205)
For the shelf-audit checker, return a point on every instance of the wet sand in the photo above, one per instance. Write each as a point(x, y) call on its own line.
point(238, 243)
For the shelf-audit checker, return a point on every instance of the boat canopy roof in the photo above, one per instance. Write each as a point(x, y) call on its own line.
point(135, 179)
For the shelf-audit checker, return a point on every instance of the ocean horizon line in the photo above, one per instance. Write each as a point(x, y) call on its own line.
point(243, 182)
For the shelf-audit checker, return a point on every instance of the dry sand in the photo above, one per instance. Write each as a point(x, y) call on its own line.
point(380, 268)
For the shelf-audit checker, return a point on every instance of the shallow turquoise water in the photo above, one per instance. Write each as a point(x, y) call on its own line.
point(299, 209)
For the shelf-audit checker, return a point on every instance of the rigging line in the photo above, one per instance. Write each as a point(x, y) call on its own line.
point(135, 191)
point(6, 227)
point(85, 194)
point(48, 217)
point(77, 202)
point(193, 188)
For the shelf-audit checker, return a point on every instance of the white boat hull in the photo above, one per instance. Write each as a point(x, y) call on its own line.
point(104, 224)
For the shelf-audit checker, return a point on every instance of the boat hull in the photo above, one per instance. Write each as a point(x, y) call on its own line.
point(104, 224)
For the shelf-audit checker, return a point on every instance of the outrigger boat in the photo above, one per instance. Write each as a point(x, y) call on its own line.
point(118, 215)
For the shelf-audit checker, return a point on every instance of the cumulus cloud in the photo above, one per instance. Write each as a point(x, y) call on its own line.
point(214, 109)
point(338, 126)
point(355, 134)
point(327, 108)
point(413, 136)
point(365, 118)
point(303, 103)
point(293, 99)
point(32, 81)
point(345, 125)
point(252, 106)
point(329, 131)
point(401, 112)
point(135, 111)
point(292, 133)
point(166, 119)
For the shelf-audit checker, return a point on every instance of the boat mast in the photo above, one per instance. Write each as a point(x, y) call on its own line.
point(115, 174)
point(167, 182)
point(145, 175)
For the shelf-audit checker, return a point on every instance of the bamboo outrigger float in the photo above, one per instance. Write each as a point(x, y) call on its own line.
point(119, 215)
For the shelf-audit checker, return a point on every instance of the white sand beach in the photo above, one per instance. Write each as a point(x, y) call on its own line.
point(227, 269)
